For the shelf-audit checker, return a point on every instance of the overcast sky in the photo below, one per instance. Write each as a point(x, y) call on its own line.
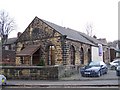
point(75, 14)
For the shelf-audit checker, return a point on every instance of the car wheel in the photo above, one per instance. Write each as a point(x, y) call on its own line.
point(117, 73)
point(82, 75)
point(99, 73)
point(113, 67)
point(106, 71)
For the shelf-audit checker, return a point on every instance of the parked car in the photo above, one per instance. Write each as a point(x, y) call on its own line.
point(118, 71)
point(94, 68)
point(115, 63)
point(3, 80)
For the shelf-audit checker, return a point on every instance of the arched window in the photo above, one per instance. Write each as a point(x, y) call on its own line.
point(72, 55)
point(81, 56)
point(51, 55)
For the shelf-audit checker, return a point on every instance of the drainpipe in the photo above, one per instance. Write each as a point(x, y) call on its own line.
point(31, 60)
point(63, 48)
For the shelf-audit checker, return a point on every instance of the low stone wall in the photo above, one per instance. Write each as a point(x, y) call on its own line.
point(67, 70)
point(38, 72)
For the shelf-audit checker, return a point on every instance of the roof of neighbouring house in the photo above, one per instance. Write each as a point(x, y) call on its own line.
point(114, 43)
point(11, 40)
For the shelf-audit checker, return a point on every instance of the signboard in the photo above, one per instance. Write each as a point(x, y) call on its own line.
point(100, 49)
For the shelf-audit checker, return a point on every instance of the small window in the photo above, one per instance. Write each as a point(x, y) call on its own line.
point(22, 60)
point(6, 48)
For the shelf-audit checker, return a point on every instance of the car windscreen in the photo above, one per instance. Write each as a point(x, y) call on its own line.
point(97, 64)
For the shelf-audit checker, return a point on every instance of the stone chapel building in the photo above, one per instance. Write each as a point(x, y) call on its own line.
point(56, 45)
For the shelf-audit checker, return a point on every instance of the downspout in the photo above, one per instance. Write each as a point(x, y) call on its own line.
point(31, 60)
point(63, 38)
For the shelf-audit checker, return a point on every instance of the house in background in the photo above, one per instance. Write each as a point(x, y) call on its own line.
point(8, 52)
point(10, 44)
point(118, 49)
point(114, 49)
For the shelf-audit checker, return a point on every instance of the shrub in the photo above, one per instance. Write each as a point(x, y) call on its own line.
point(41, 63)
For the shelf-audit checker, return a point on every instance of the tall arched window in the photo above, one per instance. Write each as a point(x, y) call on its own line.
point(51, 55)
point(81, 56)
point(72, 55)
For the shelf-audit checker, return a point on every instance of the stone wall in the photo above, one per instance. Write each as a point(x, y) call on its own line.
point(38, 72)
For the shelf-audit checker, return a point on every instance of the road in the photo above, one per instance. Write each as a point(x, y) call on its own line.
point(55, 83)
point(62, 85)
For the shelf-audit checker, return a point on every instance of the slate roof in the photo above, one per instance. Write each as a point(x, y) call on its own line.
point(113, 44)
point(75, 35)
point(28, 51)
point(93, 40)
point(71, 34)
point(11, 40)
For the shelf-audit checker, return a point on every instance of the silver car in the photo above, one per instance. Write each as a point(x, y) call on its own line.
point(3, 80)
point(115, 63)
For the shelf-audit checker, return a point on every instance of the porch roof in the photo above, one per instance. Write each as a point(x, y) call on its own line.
point(28, 50)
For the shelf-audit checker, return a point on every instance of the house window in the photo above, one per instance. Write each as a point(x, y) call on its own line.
point(72, 55)
point(13, 47)
point(51, 55)
point(22, 60)
point(6, 48)
point(82, 56)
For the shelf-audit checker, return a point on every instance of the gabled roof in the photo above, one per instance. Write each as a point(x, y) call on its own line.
point(114, 43)
point(28, 51)
point(71, 34)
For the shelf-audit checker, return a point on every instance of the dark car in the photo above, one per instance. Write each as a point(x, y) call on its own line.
point(118, 71)
point(94, 68)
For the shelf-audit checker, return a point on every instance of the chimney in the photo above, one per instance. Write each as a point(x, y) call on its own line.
point(18, 35)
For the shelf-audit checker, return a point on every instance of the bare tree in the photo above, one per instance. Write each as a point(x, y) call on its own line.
point(89, 29)
point(7, 25)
